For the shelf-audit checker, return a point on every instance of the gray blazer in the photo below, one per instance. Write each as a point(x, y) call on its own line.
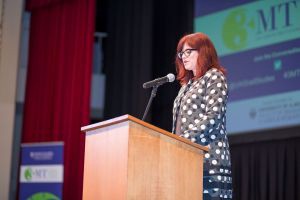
point(200, 108)
point(199, 115)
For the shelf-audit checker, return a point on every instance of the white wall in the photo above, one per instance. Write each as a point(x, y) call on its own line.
point(11, 17)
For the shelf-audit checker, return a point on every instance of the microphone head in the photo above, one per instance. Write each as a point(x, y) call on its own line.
point(171, 77)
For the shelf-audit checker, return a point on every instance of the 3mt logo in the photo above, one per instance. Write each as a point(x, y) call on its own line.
point(266, 20)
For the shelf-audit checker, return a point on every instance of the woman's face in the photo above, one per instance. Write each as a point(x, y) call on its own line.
point(189, 58)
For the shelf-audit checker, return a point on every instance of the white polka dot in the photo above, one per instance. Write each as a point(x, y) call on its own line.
point(186, 135)
point(221, 170)
point(210, 130)
point(226, 170)
point(221, 131)
point(175, 104)
point(208, 75)
point(184, 107)
point(215, 108)
point(212, 121)
point(218, 151)
point(200, 90)
point(223, 92)
point(219, 84)
point(219, 177)
point(194, 96)
point(190, 125)
point(188, 101)
point(212, 91)
point(214, 162)
point(220, 144)
point(211, 101)
point(197, 121)
point(200, 115)
point(208, 84)
point(193, 139)
point(204, 117)
point(189, 112)
point(183, 119)
point(203, 82)
point(203, 126)
point(194, 128)
point(220, 100)
point(214, 77)
point(202, 106)
point(219, 116)
point(224, 145)
point(195, 106)
point(207, 155)
point(222, 156)
point(211, 171)
point(226, 157)
point(223, 108)
point(213, 137)
point(203, 140)
point(202, 135)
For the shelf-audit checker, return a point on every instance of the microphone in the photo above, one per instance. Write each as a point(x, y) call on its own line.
point(159, 81)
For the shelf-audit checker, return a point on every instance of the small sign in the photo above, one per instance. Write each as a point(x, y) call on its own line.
point(41, 171)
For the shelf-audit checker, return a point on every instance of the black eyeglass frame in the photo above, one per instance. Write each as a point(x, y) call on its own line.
point(186, 52)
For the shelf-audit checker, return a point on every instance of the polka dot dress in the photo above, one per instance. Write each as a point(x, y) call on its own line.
point(199, 115)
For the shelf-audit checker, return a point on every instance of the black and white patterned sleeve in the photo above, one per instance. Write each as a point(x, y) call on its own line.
point(213, 107)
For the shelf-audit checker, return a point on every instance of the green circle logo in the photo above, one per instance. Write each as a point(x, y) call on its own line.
point(28, 174)
point(234, 32)
point(43, 196)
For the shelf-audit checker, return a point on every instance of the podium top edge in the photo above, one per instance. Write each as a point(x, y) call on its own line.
point(127, 117)
point(109, 122)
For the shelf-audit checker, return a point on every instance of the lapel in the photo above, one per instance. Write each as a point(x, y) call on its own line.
point(180, 95)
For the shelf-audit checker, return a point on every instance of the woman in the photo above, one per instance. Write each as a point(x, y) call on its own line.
point(199, 110)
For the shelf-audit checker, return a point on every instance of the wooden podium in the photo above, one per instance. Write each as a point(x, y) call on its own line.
point(126, 158)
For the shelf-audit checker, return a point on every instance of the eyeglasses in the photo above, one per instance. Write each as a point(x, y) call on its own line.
point(186, 52)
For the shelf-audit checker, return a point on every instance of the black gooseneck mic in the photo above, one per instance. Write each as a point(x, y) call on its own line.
point(155, 84)
point(159, 81)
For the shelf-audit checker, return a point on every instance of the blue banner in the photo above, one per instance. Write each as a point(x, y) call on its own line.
point(41, 171)
point(258, 42)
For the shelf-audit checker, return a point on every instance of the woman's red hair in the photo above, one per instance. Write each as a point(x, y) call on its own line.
point(207, 55)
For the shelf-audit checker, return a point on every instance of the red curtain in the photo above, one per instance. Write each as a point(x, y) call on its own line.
point(57, 100)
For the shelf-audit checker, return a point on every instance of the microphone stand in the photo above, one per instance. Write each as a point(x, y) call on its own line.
point(153, 94)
